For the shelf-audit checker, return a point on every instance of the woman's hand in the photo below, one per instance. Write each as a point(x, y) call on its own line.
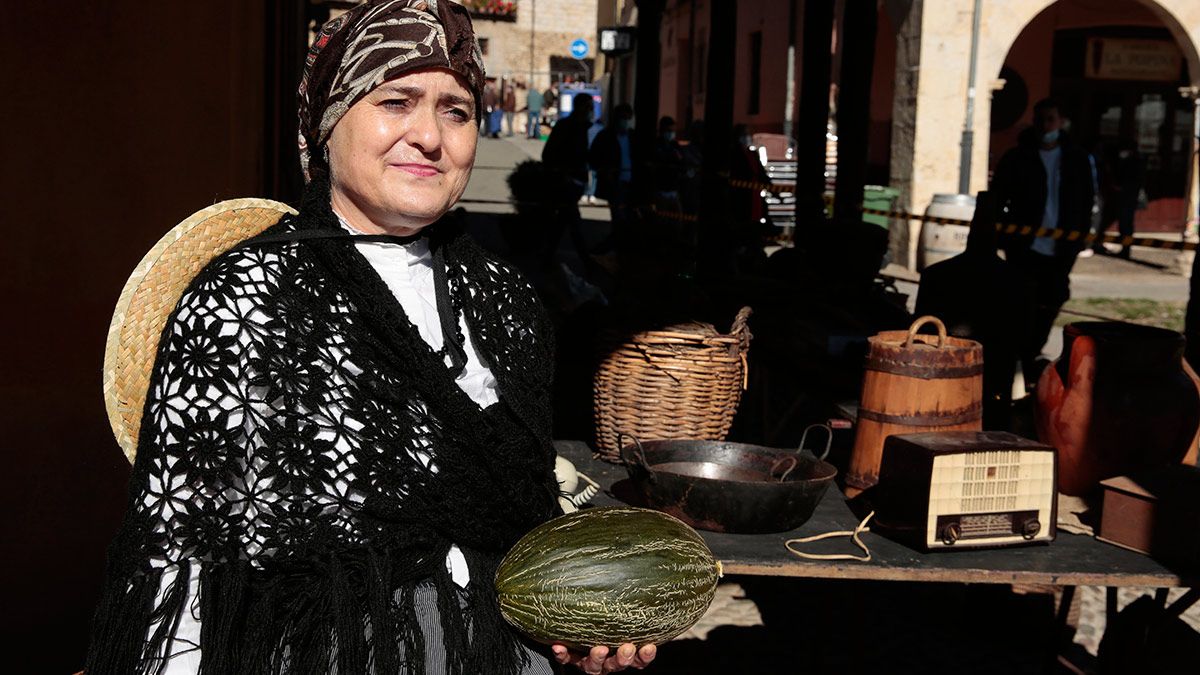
point(598, 661)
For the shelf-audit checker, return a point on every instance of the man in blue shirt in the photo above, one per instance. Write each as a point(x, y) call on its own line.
point(1045, 182)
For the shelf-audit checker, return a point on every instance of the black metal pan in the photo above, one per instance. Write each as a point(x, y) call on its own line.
point(729, 487)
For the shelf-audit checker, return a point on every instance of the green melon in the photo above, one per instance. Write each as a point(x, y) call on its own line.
point(607, 576)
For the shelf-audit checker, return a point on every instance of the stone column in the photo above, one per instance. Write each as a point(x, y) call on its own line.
point(813, 118)
point(854, 102)
point(907, 18)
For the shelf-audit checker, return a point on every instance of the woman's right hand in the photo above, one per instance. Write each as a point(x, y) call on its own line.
point(597, 659)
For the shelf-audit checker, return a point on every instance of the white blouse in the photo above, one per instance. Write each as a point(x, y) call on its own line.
point(408, 272)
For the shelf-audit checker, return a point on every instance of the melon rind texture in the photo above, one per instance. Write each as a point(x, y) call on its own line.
point(606, 577)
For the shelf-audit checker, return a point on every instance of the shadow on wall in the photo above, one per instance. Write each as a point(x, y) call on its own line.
point(119, 127)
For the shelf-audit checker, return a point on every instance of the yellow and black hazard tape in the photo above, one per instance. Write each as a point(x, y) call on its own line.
point(1009, 229)
point(674, 215)
point(1030, 231)
point(774, 188)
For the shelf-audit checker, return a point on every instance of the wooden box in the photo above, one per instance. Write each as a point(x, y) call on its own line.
point(1156, 513)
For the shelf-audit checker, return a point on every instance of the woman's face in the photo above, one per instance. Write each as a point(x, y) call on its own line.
point(401, 157)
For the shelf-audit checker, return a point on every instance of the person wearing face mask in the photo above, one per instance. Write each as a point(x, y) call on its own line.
point(668, 167)
point(1044, 182)
point(611, 155)
point(748, 210)
point(1124, 188)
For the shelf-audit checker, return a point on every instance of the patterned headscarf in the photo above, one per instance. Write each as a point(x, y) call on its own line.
point(378, 41)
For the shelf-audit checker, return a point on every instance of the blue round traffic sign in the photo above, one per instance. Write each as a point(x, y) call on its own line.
point(580, 48)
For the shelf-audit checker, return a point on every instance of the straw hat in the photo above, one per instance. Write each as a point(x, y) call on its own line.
point(151, 293)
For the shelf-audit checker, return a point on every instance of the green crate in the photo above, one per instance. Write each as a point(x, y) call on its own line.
point(879, 197)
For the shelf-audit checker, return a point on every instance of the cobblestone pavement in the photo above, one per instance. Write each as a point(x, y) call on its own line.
point(1092, 620)
point(732, 636)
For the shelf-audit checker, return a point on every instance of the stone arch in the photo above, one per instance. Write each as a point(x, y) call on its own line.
point(1013, 36)
point(1173, 13)
point(1003, 23)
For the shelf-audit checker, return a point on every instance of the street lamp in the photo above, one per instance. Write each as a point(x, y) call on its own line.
point(968, 134)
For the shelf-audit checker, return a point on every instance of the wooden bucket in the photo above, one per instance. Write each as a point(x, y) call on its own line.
point(914, 383)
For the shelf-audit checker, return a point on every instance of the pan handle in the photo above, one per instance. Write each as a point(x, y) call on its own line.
point(828, 439)
point(779, 462)
point(639, 454)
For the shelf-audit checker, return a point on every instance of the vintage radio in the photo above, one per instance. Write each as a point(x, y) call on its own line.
point(966, 489)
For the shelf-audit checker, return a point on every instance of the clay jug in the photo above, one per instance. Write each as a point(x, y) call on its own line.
point(1118, 400)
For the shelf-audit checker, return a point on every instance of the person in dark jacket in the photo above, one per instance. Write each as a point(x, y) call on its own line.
point(668, 167)
point(1123, 190)
point(611, 156)
point(975, 294)
point(1044, 182)
point(566, 158)
point(566, 150)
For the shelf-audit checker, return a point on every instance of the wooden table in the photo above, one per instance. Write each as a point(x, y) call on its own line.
point(1071, 560)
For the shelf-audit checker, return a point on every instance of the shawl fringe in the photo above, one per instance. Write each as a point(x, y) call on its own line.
point(344, 613)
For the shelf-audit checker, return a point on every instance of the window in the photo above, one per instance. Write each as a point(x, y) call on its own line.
point(755, 72)
point(483, 45)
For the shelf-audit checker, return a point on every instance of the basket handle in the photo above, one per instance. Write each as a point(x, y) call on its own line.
point(741, 328)
point(639, 454)
point(828, 439)
point(916, 326)
point(779, 462)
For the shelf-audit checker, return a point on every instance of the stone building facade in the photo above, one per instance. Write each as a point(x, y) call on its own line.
point(544, 28)
point(1035, 43)
point(1027, 50)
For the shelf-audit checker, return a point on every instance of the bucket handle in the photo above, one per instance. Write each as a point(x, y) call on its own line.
point(828, 439)
point(779, 462)
point(916, 326)
point(639, 454)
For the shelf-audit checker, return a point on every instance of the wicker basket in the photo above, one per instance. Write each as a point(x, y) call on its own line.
point(681, 382)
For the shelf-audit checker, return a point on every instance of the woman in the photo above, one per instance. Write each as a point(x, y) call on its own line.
point(348, 422)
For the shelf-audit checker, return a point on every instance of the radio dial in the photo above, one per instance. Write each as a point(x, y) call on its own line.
point(1031, 528)
point(951, 533)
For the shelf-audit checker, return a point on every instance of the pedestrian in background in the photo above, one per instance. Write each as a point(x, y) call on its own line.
point(550, 102)
point(589, 193)
point(668, 168)
point(1095, 158)
point(1046, 181)
point(491, 102)
point(509, 106)
point(566, 157)
point(691, 149)
point(748, 221)
point(1124, 192)
point(975, 294)
point(533, 103)
point(611, 155)
point(566, 150)
point(748, 207)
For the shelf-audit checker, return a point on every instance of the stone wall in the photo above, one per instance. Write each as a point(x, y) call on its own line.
point(556, 23)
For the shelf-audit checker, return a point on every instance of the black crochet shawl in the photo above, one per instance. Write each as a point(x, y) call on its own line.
point(314, 456)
